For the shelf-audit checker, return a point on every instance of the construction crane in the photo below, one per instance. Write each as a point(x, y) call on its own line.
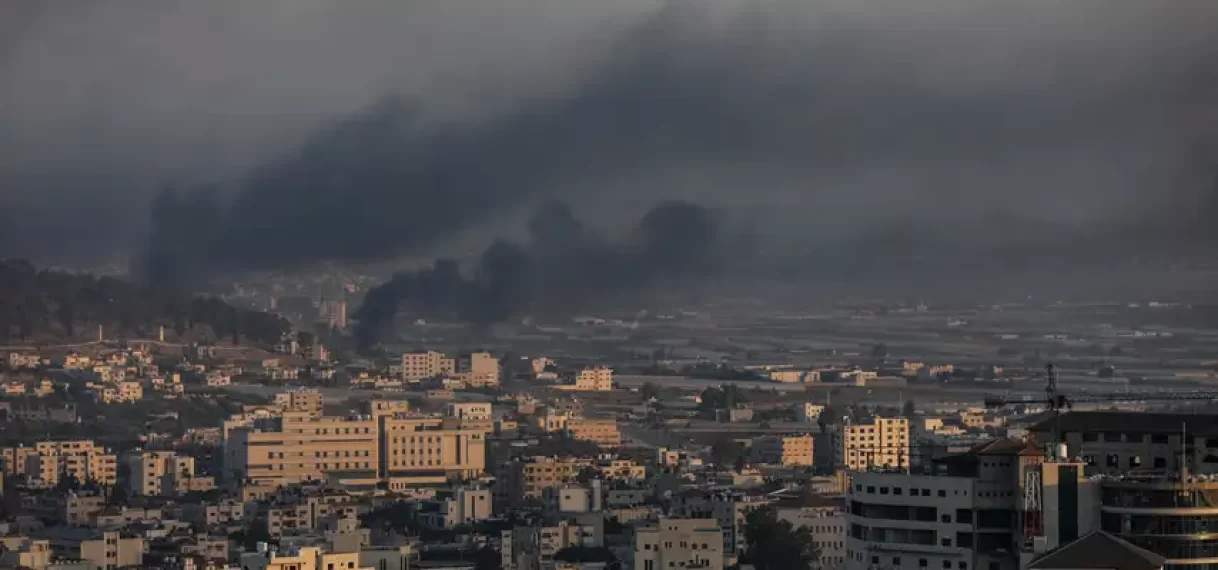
point(1056, 401)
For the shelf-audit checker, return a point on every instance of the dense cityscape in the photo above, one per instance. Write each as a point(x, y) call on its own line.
point(616, 285)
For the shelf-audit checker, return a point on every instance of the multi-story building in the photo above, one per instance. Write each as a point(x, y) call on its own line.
point(423, 365)
point(1167, 516)
point(825, 519)
point(299, 446)
point(882, 443)
point(104, 549)
point(785, 450)
point(808, 412)
point(478, 369)
point(361, 449)
point(1117, 442)
point(303, 558)
point(534, 547)
point(307, 401)
point(972, 511)
point(679, 543)
point(594, 379)
point(460, 506)
point(601, 431)
point(378, 408)
point(43, 464)
point(119, 392)
point(527, 479)
point(728, 508)
point(469, 411)
point(24, 552)
point(162, 473)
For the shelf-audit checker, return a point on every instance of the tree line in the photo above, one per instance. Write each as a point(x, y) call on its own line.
point(60, 305)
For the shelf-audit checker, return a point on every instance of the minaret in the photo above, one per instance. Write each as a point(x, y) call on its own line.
point(100, 336)
point(162, 333)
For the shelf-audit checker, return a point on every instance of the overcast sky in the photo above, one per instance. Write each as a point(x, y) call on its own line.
point(827, 119)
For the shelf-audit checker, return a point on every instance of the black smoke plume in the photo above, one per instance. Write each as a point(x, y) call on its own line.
point(565, 268)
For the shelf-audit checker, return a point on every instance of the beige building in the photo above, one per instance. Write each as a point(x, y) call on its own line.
point(163, 473)
point(43, 464)
point(109, 549)
point(594, 379)
point(601, 431)
point(378, 408)
point(307, 558)
point(423, 365)
point(785, 450)
point(528, 478)
point(469, 411)
point(298, 447)
point(307, 401)
point(883, 443)
point(24, 552)
point(124, 391)
point(679, 543)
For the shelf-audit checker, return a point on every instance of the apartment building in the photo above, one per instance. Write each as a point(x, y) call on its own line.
point(423, 365)
point(594, 379)
point(120, 392)
point(163, 473)
point(306, 401)
point(24, 552)
point(728, 508)
point(303, 558)
point(825, 519)
point(43, 464)
point(808, 412)
point(478, 369)
point(457, 507)
point(469, 411)
point(967, 513)
point(526, 479)
point(880, 443)
point(679, 543)
point(104, 549)
point(534, 547)
point(601, 431)
point(785, 450)
point(431, 447)
point(299, 447)
point(1113, 443)
point(378, 408)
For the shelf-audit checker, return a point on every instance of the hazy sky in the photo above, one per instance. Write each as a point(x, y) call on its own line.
point(825, 120)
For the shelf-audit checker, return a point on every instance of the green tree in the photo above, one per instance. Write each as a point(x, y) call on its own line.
point(772, 544)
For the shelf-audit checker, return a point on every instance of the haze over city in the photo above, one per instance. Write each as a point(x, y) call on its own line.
point(608, 285)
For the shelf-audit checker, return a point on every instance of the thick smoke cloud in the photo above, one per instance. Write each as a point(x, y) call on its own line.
point(564, 268)
point(981, 125)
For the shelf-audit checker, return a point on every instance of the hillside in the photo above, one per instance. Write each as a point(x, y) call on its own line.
point(55, 306)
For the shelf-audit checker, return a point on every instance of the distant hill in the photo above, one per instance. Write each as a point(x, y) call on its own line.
point(50, 306)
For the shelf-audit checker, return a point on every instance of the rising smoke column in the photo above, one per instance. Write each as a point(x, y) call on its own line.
point(564, 268)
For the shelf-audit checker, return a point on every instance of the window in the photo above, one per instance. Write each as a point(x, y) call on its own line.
point(898, 491)
point(1160, 463)
point(896, 560)
point(945, 518)
point(883, 490)
point(1113, 460)
point(942, 493)
point(1159, 438)
point(1112, 437)
point(921, 563)
point(962, 565)
point(1135, 461)
point(871, 489)
point(947, 565)
point(925, 492)
point(945, 542)
point(995, 566)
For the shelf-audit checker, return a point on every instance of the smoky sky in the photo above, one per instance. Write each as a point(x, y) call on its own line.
point(564, 267)
point(326, 130)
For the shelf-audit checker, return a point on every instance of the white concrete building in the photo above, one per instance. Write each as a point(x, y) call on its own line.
point(679, 543)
